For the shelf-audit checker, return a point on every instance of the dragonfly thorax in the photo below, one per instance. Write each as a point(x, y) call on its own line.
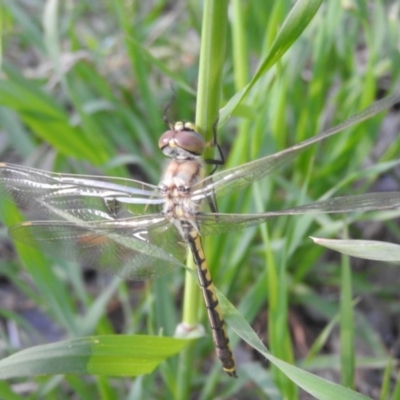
point(179, 180)
point(182, 142)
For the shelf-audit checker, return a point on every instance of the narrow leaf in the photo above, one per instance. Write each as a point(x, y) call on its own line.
point(366, 249)
point(300, 16)
point(114, 355)
point(312, 384)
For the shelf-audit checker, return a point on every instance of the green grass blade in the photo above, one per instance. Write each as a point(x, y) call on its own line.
point(312, 384)
point(298, 19)
point(114, 355)
point(396, 390)
point(126, 13)
point(385, 389)
point(346, 326)
point(31, 30)
point(155, 62)
point(51, 288)
point(366, 249)
point(42, 114)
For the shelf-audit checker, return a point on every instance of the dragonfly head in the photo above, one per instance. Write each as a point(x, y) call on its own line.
point(182, 141)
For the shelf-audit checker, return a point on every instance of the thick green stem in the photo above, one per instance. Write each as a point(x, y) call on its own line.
point(212, 53)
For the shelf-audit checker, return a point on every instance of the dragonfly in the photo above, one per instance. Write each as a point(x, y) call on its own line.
point(141, 231)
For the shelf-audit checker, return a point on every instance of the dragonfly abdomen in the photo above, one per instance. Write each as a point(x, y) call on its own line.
point(217, 322)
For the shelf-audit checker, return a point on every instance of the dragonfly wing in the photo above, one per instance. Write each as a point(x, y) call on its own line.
point(237, 178)
point(220, 223)
point(216, 224)
point(89, 198)
point(132, 248)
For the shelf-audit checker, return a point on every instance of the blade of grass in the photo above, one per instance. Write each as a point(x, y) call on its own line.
point(297, 20)
point(396, 390)
point(386, 380)
point(212, 54)
point(40, 269)
point(367, 249)
point(312, 384)
point(347, 357)
point(41, 113)
point(126, 13)
point(31, 30)
point(122, 355)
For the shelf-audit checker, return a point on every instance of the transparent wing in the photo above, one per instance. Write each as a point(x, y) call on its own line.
point(136, 248)
point(237, 178)
point(220, 223)
point(89, 198)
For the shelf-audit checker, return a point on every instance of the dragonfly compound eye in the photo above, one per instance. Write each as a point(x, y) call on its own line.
point(183, 136)
point(166, 139)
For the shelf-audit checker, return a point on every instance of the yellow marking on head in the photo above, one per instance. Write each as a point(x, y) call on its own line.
point(178, 126)
point(191, 126)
